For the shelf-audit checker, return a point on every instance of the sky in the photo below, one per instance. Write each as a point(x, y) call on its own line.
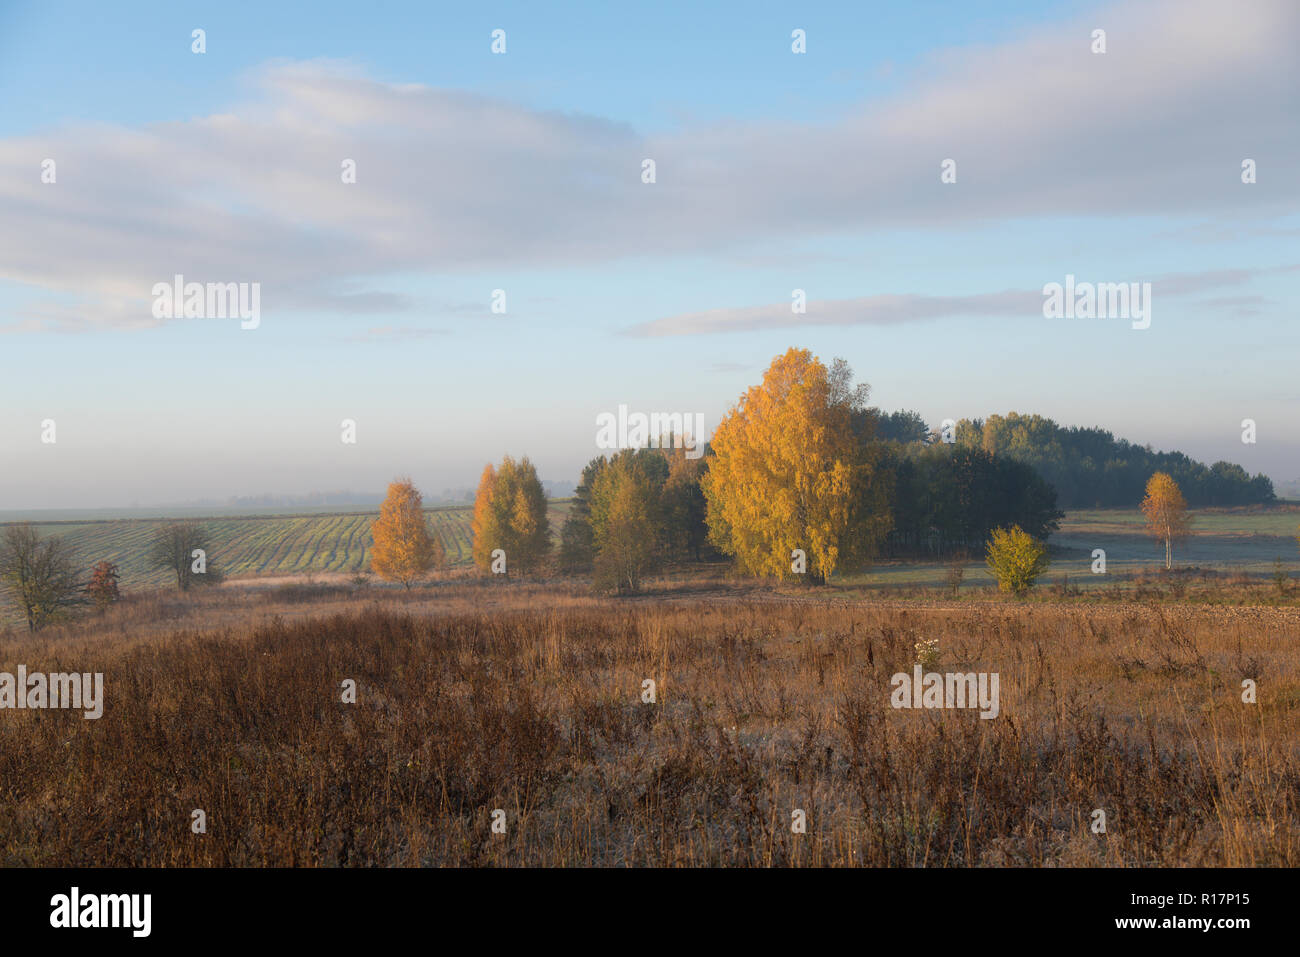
point(523, 171)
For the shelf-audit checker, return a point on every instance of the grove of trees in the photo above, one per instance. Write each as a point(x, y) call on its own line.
point(1090, 468)
point(802, 478)
point(633, 512)
point(627, 520)
point(950, 497)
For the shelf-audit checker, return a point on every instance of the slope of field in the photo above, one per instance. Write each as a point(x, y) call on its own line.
point(263, 545)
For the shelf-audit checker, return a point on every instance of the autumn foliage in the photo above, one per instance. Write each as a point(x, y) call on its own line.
point(510, 515)
point(103, 584)
point(1016, 558)
point(1166, 513)
point(404, 551)
point(792, 471)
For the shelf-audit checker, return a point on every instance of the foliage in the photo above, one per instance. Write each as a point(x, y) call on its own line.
point(950, 498)
point(627, 520)
point(905, 427)
point(103, 584)
point(685, 509)
point(681, 532)
point(510, 514)
point(1166, 513)
point(790, 472)
point(1016, 559)
point(404, 551)
point(927, 653)
point(1089, 467)
point(577, 548)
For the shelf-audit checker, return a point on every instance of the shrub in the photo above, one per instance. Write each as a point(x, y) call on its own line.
point(103, 584)
point(1016, 559)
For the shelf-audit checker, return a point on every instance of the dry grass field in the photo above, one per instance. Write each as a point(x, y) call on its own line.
point(476, 696)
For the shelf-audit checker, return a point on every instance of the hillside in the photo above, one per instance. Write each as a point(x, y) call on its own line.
point(262, 545)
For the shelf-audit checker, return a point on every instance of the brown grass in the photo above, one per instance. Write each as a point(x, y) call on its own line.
point(528, 698)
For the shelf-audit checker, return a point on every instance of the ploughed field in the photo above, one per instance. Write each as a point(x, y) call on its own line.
point(529, 699)
point(269, 545)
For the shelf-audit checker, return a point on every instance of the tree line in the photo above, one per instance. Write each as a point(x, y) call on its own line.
point(802, 478)
point(1090, 468)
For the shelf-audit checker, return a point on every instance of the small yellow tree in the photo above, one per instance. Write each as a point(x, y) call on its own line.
point(1016, 559)
point(627, 524)
point(403, 551)
point(484, 527)
point(1166, 512)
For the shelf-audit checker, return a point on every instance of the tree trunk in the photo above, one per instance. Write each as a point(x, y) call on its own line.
point(1169, 553)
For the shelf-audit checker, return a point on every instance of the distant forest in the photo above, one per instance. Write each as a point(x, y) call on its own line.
point(1088, 467)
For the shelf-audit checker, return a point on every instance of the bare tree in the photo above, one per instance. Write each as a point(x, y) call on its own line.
point(39, 575)
point(182, 549)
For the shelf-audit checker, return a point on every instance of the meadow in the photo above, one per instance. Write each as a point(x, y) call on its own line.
point(1235, 542)
point(475, 696)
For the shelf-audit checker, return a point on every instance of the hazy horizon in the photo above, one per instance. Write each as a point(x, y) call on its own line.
point(434, 493)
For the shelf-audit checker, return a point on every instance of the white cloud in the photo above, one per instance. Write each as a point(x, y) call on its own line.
point(451, 181)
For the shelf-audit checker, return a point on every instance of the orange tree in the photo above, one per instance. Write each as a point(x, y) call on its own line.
point(404, 551)
point(103, 584)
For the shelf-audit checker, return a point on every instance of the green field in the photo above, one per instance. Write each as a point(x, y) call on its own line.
point(261, 545)
point(1242, 540)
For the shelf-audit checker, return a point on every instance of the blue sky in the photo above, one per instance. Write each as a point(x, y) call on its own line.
point(521, 172)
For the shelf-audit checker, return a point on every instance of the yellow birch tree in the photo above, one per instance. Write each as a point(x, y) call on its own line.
point(403, 551)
